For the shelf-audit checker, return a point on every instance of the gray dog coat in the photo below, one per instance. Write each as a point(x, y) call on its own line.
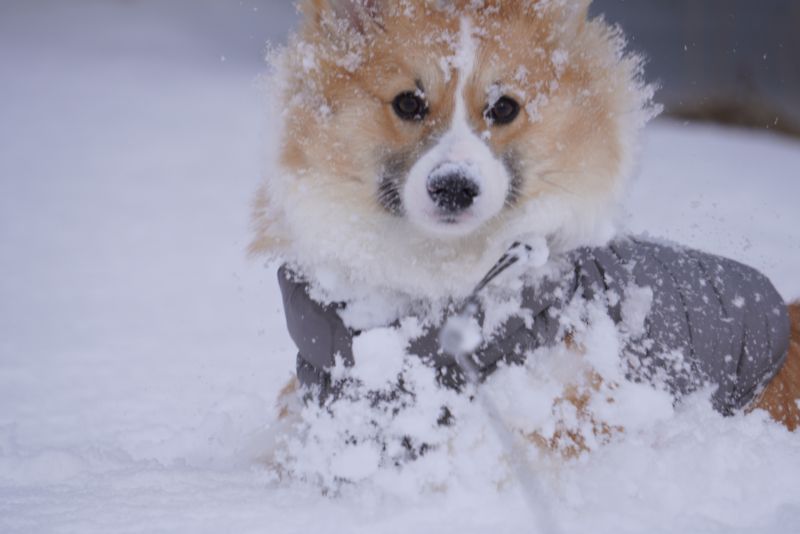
point(726, 321)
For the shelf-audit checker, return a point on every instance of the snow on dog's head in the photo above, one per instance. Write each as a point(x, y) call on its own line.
point(420, 137)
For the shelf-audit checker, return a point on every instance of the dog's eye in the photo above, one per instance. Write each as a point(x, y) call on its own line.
point(410, 106)
point(504, 111)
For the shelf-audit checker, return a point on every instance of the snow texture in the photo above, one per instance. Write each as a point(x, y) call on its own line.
point(141, 354)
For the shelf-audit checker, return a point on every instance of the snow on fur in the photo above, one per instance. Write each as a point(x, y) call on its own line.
point(141, 356)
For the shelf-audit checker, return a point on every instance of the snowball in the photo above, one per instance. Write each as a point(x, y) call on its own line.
point(379, 356)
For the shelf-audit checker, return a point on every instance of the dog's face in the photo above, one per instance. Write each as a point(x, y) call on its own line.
point(446, 126)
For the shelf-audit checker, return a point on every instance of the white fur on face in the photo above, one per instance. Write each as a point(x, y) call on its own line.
point(460, 150)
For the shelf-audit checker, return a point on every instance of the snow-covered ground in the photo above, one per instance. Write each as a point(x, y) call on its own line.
point(141, 352)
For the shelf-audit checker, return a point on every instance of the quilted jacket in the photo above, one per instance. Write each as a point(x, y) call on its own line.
point(726, 323)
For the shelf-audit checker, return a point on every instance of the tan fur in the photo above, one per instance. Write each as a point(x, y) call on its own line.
point(780, 399)
point(287, 397)
point(573, 146)
point(782, 394)
point(570, 442)
point(264, 239)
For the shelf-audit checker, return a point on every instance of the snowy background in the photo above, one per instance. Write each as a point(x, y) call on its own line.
point(141, 352)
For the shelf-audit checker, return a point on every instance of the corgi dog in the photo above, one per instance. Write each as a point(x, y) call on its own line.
point(420, 138)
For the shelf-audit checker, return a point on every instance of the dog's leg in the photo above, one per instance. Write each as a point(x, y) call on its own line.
point(569, 441)
point(288, 406)
point(287, 399)
point(782, 394)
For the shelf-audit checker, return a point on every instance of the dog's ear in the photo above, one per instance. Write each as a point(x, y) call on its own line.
point(571, 16)
point(567, 17)
point(333, 16)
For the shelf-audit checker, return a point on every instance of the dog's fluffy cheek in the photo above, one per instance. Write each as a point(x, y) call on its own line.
point(570, 178)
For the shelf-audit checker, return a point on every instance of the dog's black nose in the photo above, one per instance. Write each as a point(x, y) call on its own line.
point(452, 192)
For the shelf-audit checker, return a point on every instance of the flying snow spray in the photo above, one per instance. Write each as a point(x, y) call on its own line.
point(461, 336)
